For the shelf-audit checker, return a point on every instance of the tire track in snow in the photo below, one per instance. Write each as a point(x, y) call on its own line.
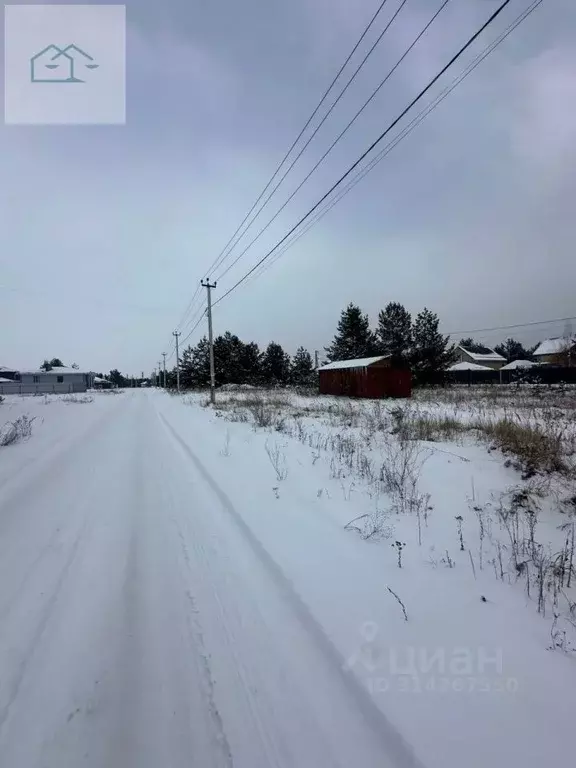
point(197, 633)
point(42, 623)
point(392, 742)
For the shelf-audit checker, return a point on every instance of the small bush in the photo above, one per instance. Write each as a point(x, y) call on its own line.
point(14, 431)
point(78, 398)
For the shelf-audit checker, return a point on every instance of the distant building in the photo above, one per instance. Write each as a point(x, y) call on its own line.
point(99, 383)
point(469, 367)
point(8, 374)
point(480, 356)
point(516, 364)
point(60, 380)
point(557, 351)
point(365, 377)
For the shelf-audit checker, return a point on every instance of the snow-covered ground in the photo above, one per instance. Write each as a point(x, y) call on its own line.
point(182, 587)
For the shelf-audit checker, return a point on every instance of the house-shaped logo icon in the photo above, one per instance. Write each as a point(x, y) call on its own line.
point(60, 65)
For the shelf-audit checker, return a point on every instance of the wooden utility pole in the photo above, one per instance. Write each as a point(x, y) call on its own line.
point(206, 284)
point(316, 359)
point(159, 379)
point(176, 335)
point(164, 356)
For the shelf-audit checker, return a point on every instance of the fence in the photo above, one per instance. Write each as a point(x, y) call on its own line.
point(537, 375)
point(17, 388)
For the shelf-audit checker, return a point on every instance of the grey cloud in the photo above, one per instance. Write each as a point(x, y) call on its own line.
point(109, 229)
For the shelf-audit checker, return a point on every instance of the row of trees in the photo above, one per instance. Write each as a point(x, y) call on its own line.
point(412, 342)
point(238, 362)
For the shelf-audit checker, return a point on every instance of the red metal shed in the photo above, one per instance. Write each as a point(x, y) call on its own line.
point(366, 377)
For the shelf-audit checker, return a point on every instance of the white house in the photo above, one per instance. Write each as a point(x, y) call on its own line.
point(557, 351)
point(480, 356)
point(61, 380)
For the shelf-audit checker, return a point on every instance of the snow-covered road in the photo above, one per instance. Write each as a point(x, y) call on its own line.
point(142, 624)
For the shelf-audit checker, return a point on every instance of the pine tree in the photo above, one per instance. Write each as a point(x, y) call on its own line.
point(431, 352)
point(47, 365)
point(250, 359)
point(227, 356)
point(275, 365)
point(354, 339)
point(302, 368)
point(512, 350)
point(186, 376)
point(116, 378)
point(394, 332)
point(200, 364)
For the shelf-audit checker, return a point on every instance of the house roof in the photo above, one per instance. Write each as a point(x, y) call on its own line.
point(488, 356)
point(58, 370)
point(10, 370)
point(8, 380)
point(554, 346)
point(361, 362)
point(518, 364)
point(469, 367)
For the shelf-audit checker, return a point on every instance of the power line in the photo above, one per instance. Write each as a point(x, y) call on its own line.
point(185, 339)
point(454, 58)
point(293, 163)
point(403, 134)
point(216, 262)
point(190, 306)
point(509, 327)
point(342, 133)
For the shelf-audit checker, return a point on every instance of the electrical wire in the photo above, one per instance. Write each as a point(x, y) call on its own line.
point(300, 153)
point(189, 309)
point(402, 134)
point(217, 262)
point(374, 144)
point(340, 135)
point(185, 339)
point(510, 327)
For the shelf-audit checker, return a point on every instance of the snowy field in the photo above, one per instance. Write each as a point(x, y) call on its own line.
point(288, 580)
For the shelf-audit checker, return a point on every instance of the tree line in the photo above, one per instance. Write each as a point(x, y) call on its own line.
point(238, 362)
point(414, 342)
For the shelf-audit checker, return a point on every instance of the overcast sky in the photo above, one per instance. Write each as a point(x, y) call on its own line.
point(107, 230)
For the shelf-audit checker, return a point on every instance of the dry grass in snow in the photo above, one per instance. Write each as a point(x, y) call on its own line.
point(415, 466)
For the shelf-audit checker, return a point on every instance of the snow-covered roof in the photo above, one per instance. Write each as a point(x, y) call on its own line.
point(518, 364)
point(4, 368)
point(58, 371)
point(491, 356)
point(554, 346)
point(469, 367)
point(8, 380)
point(98, 380)
point(361, 362)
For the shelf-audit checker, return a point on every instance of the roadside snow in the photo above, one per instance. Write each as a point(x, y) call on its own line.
point(470, 677)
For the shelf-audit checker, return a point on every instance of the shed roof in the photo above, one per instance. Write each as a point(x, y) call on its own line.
point(469, 367)
point(554, 346)
point(361, 362)
point(518, 364)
